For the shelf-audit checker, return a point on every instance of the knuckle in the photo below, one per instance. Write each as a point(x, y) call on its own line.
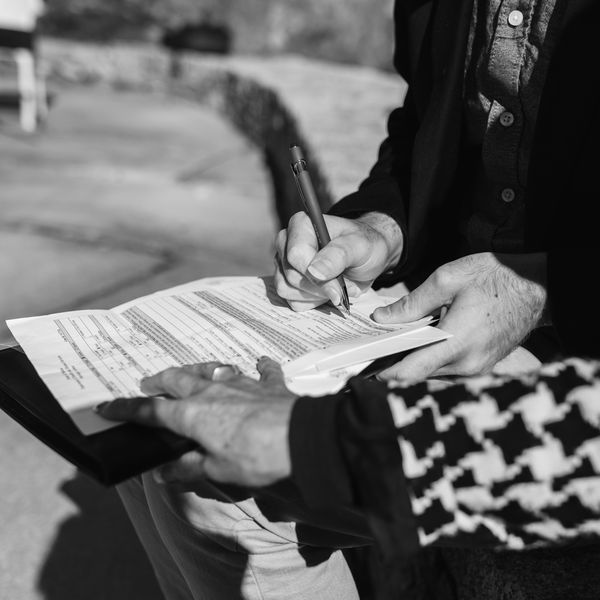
point(170, 375)
point(293, 278)
point(179, 416)
point(297, 257)
point(270, 367)
point(337, 254)
point(180, 412)
point(144, 409)
point(290, 284)
point(396, 309)
point(442, 277)
point(403, 304)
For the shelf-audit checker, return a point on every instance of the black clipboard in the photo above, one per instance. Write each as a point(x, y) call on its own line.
point(110, 457)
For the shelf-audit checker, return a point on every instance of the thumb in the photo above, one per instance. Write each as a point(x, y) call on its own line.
point(424, 300)
point(350, 250)
point(329, 262)
point(270, 371)
point(419, 364)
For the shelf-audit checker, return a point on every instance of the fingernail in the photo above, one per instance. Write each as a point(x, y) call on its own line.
point(99, 407)
point(335, 297)
point(316, 270)
point(353, 289)
point(383, 375)
point(379, 313)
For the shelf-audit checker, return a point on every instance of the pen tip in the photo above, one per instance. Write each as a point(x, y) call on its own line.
point(345, 300)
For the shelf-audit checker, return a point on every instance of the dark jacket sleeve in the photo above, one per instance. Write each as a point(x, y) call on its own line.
point(319, 469)
point(573, 299)
point(387, 186)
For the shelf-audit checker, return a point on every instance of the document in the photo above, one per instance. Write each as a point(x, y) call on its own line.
point(89, 356)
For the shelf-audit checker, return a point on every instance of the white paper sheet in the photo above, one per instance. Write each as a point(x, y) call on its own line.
point(87, 357)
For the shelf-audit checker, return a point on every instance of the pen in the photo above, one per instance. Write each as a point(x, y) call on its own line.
point(313, 208)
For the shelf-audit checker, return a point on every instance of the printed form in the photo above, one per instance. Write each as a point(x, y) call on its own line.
point(90, 356)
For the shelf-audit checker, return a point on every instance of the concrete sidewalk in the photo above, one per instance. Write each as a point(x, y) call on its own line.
point(121, 195)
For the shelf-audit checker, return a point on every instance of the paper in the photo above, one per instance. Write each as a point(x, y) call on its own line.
point(87, 357)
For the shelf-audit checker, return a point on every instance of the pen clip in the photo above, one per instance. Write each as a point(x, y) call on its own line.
point(311, 206)
point(298, 167)
point(300, 192)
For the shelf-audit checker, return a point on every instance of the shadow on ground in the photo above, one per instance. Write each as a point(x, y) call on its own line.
point(96, 554)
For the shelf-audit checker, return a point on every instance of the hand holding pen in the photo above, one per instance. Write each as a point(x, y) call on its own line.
point(361, 248)
point(313, 209)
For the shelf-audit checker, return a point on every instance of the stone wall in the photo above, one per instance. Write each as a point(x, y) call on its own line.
point(337, 113)
point(352, 31)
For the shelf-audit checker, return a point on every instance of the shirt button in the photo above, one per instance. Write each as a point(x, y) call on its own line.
point(515, 18)
point(507, 195)
point(507, 119)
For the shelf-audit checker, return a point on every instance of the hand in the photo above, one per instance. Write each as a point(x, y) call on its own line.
point(241, 424)
point(360, 248)
point(489, 302)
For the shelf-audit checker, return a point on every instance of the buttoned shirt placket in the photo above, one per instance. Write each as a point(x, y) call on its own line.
point(510, 46)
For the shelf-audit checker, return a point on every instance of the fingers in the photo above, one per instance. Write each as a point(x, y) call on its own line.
point(186, 469)
point(178, 382)
point(419, 364)
point(424, 300)
point(151, 412)
point(300, 242)
point(270, 371)
point(181, 382)
point(305, 274)
point(432, 295)
point(293, 285)
point(214, 371)
point(300, 247)
point(353, 252)
point(138, 410)
point(449, 357)
point(300, 306)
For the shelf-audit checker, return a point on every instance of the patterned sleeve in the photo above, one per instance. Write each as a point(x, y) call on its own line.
point(505, 462)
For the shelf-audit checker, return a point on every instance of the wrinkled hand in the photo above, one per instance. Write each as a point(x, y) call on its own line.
point(360, 248)
point(489, 302)
point(241, 424)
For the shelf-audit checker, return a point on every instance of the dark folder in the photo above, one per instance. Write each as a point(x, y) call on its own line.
point(110, 457)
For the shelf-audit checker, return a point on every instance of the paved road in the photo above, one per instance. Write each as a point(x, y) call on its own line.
point(121, 195)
